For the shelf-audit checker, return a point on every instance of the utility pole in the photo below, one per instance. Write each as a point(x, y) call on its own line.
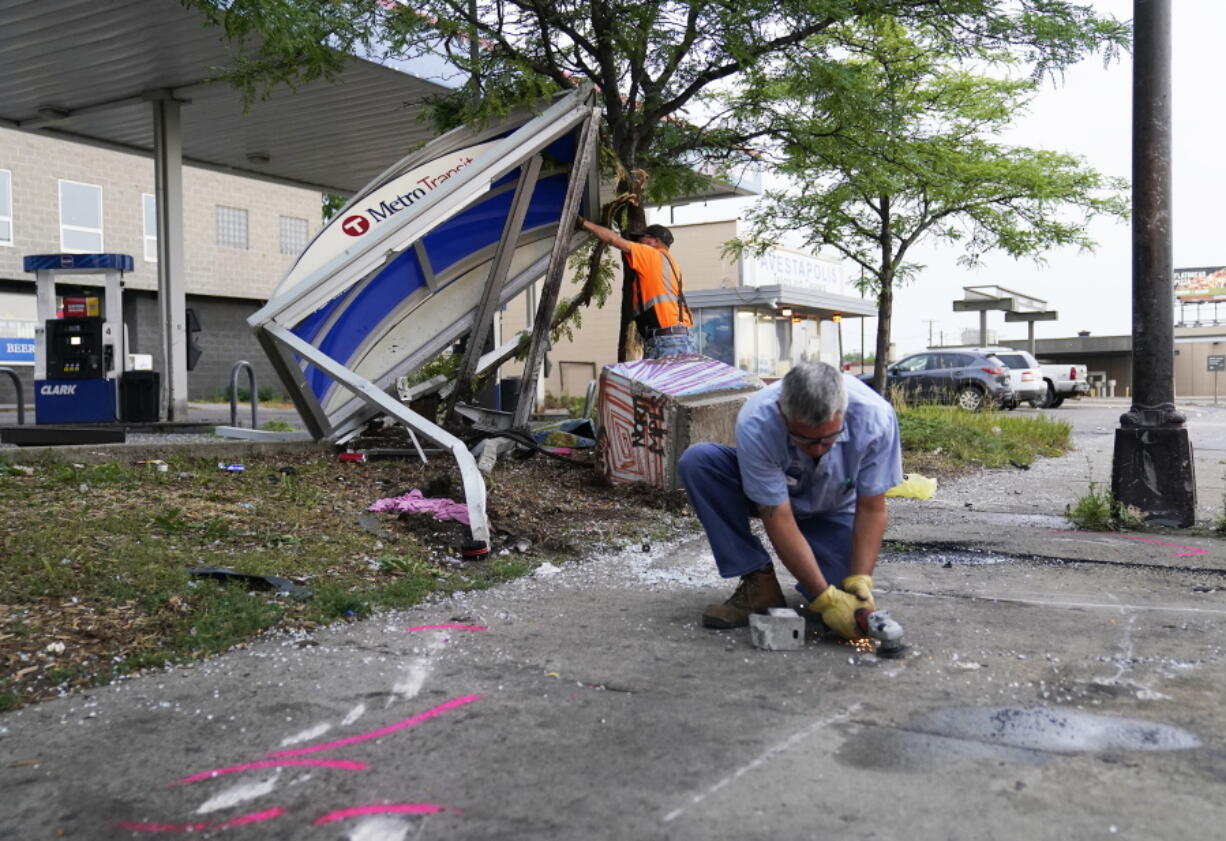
point(1152, 467)
point(929, 322)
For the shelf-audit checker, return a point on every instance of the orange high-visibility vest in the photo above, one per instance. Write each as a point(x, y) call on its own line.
point(659, 298)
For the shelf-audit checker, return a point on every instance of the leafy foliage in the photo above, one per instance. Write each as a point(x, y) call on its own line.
point(890, 140)
point(656, 65)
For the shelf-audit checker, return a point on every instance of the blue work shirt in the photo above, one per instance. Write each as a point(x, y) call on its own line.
point(866, 457)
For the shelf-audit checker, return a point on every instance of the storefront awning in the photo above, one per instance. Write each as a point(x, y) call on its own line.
point(782, 295)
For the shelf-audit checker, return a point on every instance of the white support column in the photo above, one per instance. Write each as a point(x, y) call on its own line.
point(172, 295)
point(44, 280)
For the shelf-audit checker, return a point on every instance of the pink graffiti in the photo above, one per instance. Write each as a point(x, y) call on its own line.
point(1192, 550)
point(344, 764)
point(381, 809)
point(241, 820)
point(377, 734)
point(446, 628)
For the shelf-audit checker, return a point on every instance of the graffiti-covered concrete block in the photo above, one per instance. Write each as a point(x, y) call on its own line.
point(651, 410)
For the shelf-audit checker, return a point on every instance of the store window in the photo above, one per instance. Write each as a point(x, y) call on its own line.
point(6, 207)
point(149, 212)
point(806, 340)
point(80, 217)
point(713, 326)
point(294, 235)
point(231, 227)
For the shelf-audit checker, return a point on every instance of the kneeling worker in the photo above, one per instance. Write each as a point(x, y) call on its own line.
point(815, 454)
point(658, 302)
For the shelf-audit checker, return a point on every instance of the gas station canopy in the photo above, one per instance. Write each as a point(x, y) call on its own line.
point(87, 71)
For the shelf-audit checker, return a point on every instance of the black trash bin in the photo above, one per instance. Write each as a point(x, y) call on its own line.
point(508, 393)
point(138, 396)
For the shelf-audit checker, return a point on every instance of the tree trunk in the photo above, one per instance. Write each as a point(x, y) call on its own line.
point(629, 346)
point(885, 312)
point(885, 299)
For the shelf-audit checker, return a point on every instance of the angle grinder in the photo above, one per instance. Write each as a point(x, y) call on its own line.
point(879, 625)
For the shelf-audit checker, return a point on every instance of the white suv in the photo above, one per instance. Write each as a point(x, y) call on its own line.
point(1025, 374)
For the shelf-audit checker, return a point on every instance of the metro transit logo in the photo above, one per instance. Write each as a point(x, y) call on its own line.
point(355, 225)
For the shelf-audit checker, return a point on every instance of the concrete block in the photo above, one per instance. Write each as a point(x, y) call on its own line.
point(782, 629)
point(650, 411)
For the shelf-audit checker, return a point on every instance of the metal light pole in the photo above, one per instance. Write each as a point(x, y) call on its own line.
point(1153, 468)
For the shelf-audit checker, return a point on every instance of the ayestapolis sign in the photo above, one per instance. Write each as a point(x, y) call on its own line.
point(368, 212)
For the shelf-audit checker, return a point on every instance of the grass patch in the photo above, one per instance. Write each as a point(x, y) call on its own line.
point(96, 555)
point(945, 441)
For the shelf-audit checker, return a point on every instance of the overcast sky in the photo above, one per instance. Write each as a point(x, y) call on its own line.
point(1088, 113)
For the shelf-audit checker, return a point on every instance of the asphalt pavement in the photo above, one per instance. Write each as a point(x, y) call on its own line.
point(1056, 685)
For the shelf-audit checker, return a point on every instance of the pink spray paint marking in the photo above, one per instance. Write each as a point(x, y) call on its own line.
point(1191, 550)
point(446, 628)
point(377, 734)
point(241, 820)
point(381, 809)
point(343, 764)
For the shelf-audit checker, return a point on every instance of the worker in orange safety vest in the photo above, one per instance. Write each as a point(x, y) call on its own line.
point(658, 303)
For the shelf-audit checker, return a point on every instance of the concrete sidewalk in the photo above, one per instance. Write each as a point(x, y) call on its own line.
point(1056, 686)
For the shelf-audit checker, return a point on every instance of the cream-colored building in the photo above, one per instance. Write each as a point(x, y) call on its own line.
point(761, 314)
point(240, 237)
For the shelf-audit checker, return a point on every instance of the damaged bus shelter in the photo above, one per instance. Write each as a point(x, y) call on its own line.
point(423, 256)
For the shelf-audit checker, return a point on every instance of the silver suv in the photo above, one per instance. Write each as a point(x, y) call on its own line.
point(1025, 374)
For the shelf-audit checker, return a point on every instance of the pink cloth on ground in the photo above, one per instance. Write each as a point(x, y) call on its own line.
point(413, 502)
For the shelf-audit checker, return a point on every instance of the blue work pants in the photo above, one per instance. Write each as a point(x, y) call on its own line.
point(713, 482)
point(676, 345)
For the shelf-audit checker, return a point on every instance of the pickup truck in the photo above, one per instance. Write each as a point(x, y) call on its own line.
point(1063, 380)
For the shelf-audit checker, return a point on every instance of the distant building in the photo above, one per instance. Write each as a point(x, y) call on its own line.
point(240, 237)
point(1108, 359)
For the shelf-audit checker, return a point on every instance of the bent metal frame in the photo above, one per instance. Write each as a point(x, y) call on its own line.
point(423, 256)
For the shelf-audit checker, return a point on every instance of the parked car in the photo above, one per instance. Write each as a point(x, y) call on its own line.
point(1063, 380)
point(962, 377)
point(1025, 375)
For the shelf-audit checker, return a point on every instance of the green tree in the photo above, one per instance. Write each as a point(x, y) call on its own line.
point(888, 140)
point(653, 61)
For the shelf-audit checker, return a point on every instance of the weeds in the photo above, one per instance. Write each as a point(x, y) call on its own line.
point(1098, 510)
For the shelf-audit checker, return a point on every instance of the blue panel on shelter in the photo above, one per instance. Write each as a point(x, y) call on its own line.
point(77, 262)
point(366, 310)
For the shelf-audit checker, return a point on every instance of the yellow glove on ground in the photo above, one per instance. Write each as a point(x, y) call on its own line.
point(861, 586)
point(838, 611)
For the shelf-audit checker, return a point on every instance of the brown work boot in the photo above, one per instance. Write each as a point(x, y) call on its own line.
point(757, 592)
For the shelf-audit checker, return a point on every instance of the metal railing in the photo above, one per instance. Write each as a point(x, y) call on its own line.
point(21, 399)
point(238, 366)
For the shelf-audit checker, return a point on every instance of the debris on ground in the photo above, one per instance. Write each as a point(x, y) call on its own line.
point(414, 502)
point(275, 583)
point(914, 486)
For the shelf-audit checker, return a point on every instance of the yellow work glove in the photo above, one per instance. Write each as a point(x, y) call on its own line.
point(861, 586)
point(838, 611)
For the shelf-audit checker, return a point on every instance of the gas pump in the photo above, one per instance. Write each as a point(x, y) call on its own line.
point(79, 356)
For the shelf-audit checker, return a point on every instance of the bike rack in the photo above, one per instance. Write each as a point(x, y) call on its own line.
point(21, 400)
point(239, 365)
